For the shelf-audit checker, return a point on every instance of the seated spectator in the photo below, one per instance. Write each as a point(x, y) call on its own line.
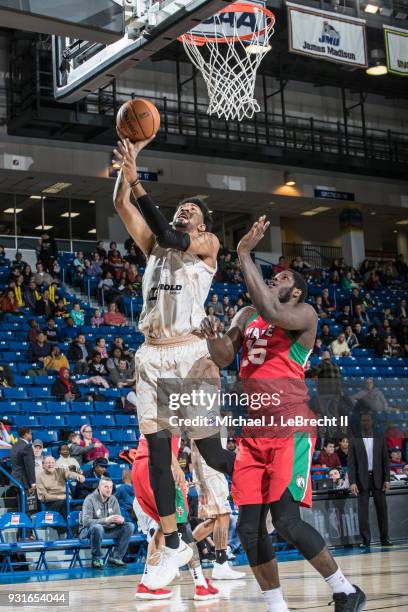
point(118, 342)
point(101, 348)
point(347, 282)
point(51, 488)
point(344, 317)
point(92, 473)
point(335, 475)
point(281, 265)
point(373, 340)
point(64, 388)
point(95, 268)
point(371, 397)
point(48, 252)
point(396, 462)
point(122, 375)
point(360, 315)
point(94, 450)
point(55, 361)
point(38, 448)
point(299, 264)
point(101, 518)
point(113, 361)
point(69, 331)
point(51, 331)
point(384, 347)
point(39, 349)
point(342, 451)
point(402, 310)
point(318, 347)
point(40, 277)
point(394, 436)
point(334, 278)
point(327, 301)
point(184, 456)
point(318, 306)
point(61, 309)
point(339, 347)
point(6, 376)
point(9, 304)
point(328, 457)
point(79, 352)
point(33, 331)
point(18, 262)
point(232, 445)
point(113, 316)
point(219, 310)
point(325, 335)
point(77, 315)
point(96, 366)
point(230, 314)
point(357, 330)
point(107, 287)
point(210, 310)
point(239, 304)
point(79, 262)
point(125, 496)
point(31, 295)
point(396, 350)
point(66, 461)
point(101, 250)
point(76, 450)
point(44, 306)
point(97, 319)
point(351, 338)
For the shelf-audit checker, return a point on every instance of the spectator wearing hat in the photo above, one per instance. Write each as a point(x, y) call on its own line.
point(87, 440)
point(101, 518)
point(92, 475)
point(38, 448)
point(51, 487)
point(232, 445)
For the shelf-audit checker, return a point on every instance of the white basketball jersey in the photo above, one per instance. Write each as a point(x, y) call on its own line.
point(175, 287)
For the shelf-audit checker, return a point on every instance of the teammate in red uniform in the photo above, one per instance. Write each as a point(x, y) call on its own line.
point(272, 468)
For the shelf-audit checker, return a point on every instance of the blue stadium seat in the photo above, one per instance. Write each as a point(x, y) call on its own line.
point(104, 435)
point(11, 407)
point(105, 406)
point(103, 420)
point(52, 420)
point(82, 407)
point(15, 393)
point(75, 421)
point(48, 435)
point(123, 435)
point(126, 420)
point(39, 392)
point(23, 380)
point(33, 406)
point(42, 381)
point(26, 420)
point(54, 406)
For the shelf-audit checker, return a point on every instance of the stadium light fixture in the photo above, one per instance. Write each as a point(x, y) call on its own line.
point(44, 227)
point(92, 231)
point(315, 211)
point(56, 187)
point(71, 215)
point(402, 222)
point(35, 197)
point(371, 8)
point(289, 179)
point(91, 201)
point(376, 64)
point(11, 211)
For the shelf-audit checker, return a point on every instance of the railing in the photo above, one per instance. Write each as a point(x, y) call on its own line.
point(21, 490)
point(317, 255)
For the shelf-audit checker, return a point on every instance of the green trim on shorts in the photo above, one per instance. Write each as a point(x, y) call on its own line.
point(301, 465)
point(181, 508)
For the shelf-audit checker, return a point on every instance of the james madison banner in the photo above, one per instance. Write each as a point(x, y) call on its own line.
point(327, 35)
point(396, 45)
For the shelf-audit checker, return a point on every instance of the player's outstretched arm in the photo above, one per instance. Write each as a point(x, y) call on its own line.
point(266, 300)
point(131, 217)
point(224, 348)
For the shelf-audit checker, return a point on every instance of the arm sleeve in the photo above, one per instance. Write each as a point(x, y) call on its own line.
point(166, 236)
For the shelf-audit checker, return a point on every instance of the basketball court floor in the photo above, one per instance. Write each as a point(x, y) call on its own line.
point(382, 574)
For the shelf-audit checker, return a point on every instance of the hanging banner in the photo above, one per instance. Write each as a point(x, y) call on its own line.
point(327, 36)
point(396, 46)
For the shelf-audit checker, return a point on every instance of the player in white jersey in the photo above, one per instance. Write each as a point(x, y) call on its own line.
point(181, 262)
point(214, 510)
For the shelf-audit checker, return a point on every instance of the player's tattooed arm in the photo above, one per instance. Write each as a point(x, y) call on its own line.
point(223, 349)
point(300, 317)
point(131, 217)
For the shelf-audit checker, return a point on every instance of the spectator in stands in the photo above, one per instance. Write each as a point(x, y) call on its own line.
point(402, 311)
point(95, 268)
point(64, 388)
point(39, 349)
point(328, 303)
point(38, 448)
point(9, 304)
point(79, 262)
point(342, 451)
point(325, 335)
point(51, 487)
point(228, 317)
point(101, 518)
point(351, 338)
point(77, 314)
point(22, 459)
point(113, 361)
point(368, 471)
point(97, 319)
point(355, 298)
point(55, 361)
point(226, 304)
point(79, 352)
point(393, 435)
point(19, 291)
point(100, 249)
point(96, 365)
point(404, 475)
point(93, 473)
point(339, 347)
point(385, 346)
point(281, 265)
point(44, 306)
point(357, 330)
point(18, 262)
point(219, 310)
point(347, 281)
point(396, 350)
point(344, 317)
point(33, 331)
point(113, 316)
point(101, 348)
point(115, 262)
point(41, 277)
point(51, 331)
point(299, 264)
point(329, 383)
point(125, 496)
point(335, 475)
point(94, 450)
point(318, 347)
point(31, 295)
point(106, 287)
point(61, 308)
point(184, 456)
point(373, 340)
point(118, 342)
point(76, 449)
point(66, 461)
point(70, 331)
point(211, 314)
point(328, 456)
point(318, 306)
point(6, 376)
point(360, 315)
point(239, 304)
point(370, 397)
point(122, 375)
point(396, 456)
point(232, 445)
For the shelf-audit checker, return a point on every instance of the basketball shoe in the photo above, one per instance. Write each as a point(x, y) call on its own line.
point(206, 592)
point(160, 575)
point(222, 571)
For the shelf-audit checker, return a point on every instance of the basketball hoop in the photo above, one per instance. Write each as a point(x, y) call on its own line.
point(228, 49)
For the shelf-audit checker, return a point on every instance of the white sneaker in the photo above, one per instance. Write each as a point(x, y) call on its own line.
point(160, 575)
point(222, 571)
point(230, 554)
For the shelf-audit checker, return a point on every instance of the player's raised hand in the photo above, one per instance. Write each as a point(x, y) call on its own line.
point(126, 154)
point(254, 236)
point(209, 328)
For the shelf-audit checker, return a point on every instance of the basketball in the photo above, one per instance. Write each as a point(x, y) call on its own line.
point(137, 120)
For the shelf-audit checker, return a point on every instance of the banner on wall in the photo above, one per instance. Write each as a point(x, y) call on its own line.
point(396, 46)
point(327, 35)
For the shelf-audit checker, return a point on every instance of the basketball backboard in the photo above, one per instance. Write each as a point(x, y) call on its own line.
point(83, 66)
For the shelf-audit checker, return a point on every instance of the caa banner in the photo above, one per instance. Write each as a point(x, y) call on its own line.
point(327, 35)
point(396, 45)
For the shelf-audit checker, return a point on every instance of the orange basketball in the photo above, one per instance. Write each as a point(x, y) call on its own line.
point(137, 119)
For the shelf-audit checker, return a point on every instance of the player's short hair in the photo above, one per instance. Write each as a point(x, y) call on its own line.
point(204, 209)
point(300, 283)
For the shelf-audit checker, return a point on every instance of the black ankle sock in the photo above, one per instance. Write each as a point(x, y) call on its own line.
point(171, 540)
point(221, 556)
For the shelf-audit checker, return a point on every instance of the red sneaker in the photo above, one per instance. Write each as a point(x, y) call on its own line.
point(205, 592)
point(211, 587)
point(142, 592)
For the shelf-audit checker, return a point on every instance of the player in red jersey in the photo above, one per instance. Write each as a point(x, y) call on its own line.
point(272, 468)
point(151, 585)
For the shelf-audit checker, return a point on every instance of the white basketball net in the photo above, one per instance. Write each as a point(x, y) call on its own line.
point(229, 67)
